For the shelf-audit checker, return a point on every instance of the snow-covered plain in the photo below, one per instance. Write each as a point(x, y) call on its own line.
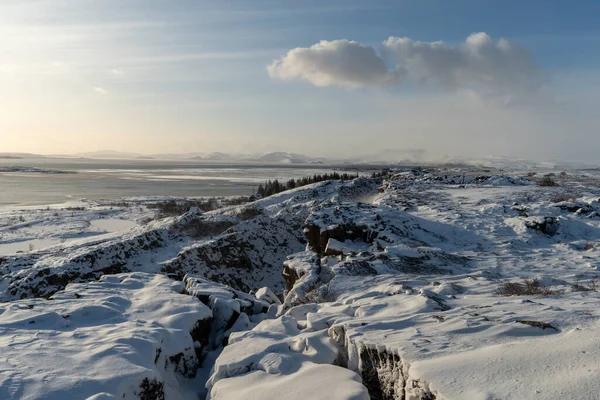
point(440, 283)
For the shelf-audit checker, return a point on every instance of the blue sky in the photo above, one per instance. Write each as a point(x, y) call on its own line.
point(158, 76)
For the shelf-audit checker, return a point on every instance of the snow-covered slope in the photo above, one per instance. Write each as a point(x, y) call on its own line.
point(451, 283)
point(416, 302)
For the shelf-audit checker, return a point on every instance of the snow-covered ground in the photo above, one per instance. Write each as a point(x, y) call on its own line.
point(435, 283)
point(33, 228)
point(126, 336)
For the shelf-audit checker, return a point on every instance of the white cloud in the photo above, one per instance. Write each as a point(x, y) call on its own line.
point(340, 62)
point(100, 90)
point(481, 64)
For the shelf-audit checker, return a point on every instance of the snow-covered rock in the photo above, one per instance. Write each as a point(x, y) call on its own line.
point(126, 336)
point(42, 274)
point(232, 310)
point(415, 302)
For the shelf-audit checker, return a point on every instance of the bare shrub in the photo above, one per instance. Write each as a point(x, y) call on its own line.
point(249, 213)
point(559, 198)
point(175, 208)
point(322, 294)
point(547, 180)
point(594, 285)
point(537, 324)
point(199, 228)
point(75, 208)
point(146, 220)
point(529, 287)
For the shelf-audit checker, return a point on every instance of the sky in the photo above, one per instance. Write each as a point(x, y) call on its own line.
point(427, 79)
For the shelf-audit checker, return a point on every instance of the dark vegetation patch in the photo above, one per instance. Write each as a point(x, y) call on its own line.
point(273, 187)
point(151, 390)
point(173, 208)
point(529, 287)
point(547, 180)
point(75, 208)
point(199, 228)
point(562, 197)
point(537, 324)
point(591, 286)
point(384, 173)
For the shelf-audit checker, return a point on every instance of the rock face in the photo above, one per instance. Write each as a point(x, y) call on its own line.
point(303, 275)
point(547, 225)
point(232, 310)
point(248, 255)
point(381, 370)
point(45, 274)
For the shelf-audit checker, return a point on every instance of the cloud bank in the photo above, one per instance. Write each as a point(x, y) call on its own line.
point(480, 64)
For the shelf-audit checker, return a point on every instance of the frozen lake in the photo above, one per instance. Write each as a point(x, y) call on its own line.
point(114, 179)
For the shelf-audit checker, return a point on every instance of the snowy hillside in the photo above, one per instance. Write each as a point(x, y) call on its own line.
point(419, 284)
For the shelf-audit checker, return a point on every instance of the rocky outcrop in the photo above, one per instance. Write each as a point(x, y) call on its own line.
point(304, 274)
point(247, 256)
point(340, 222)
point(590, 209)
point(45, 274)
point(546, 225)
point(232, 310)
point(137, 331)
point(382, 371)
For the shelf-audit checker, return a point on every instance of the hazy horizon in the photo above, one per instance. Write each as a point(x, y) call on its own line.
point(336, 79)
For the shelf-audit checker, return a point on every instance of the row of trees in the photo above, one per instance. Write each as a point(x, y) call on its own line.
point(273, 187)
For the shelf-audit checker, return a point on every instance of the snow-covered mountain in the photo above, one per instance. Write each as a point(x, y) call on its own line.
point(217, 156)
point(288, 158)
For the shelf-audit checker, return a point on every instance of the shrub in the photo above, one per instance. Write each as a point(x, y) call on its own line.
point(559, 198)
point(591, 286)
point(175, 208)
point(199, 228)
point(322, 294)
point(547, 181)
point(529, 287)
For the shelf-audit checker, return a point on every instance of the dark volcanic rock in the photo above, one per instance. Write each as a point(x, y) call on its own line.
point(547, 225)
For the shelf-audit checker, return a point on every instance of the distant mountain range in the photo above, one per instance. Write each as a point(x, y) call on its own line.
point(16, 156)
point(275, 157)
point(278, 157)
point(386, 157)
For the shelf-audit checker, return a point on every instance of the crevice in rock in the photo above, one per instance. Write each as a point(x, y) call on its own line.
point(384, 373)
